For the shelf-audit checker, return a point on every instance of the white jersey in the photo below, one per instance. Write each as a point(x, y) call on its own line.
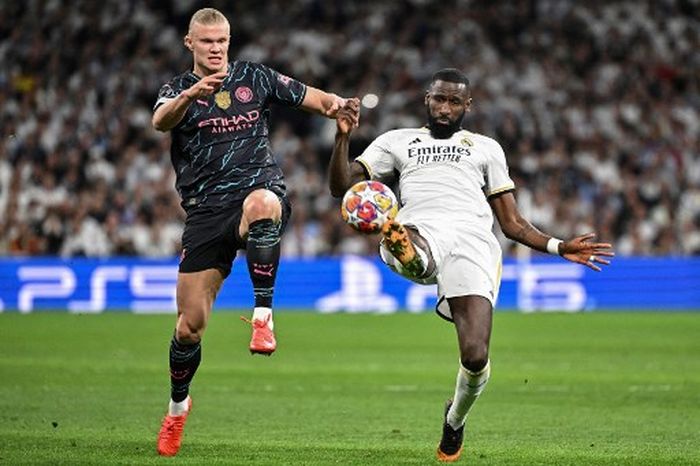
point(444, 185)
point(442, 181)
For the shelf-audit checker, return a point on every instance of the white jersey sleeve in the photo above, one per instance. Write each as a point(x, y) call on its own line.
point(378, 159)
point(496, 171)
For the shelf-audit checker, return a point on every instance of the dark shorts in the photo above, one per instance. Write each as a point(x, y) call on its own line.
point(211, 240)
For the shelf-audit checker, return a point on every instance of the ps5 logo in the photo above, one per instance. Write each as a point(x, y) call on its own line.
point(150, 288)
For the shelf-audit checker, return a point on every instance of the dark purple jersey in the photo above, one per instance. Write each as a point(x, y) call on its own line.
point(221, 148)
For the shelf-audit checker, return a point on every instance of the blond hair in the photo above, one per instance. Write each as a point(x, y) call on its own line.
point(207, 16)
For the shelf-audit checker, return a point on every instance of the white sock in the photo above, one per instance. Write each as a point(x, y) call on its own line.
point(261, 313)
point(469, 387)
point(179, 408)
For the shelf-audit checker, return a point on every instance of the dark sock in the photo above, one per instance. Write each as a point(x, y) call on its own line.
point(184, 360)
point(263, 255)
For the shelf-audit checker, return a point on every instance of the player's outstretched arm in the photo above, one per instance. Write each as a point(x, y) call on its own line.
point(324, 103)
point(341, 173)
point(517, 228)
point(168, 115)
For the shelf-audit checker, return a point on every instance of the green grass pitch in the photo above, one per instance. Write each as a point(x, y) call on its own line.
point(598, 388)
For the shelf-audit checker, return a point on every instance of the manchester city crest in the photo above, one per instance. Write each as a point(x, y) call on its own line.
point(243, 94)
point(223, 99)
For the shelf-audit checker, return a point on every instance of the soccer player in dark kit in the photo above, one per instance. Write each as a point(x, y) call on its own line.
point(232, 191)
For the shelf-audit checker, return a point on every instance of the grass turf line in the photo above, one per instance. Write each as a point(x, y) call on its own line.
point(600, 388)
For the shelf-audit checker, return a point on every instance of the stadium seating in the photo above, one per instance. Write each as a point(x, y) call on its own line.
point(597, 105)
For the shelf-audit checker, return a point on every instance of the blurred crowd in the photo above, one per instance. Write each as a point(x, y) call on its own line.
point(597, 105)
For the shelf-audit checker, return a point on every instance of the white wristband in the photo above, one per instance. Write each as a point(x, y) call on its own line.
point(553, 246)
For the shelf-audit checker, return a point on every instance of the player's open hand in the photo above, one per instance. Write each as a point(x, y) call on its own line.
point(582, 251)
point(348, 116)
point(207, 85)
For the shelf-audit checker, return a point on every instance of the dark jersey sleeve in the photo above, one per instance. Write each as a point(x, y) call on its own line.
point(283, 89)
point(169, 91)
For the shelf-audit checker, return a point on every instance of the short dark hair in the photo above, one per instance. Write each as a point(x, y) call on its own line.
point(450, 75)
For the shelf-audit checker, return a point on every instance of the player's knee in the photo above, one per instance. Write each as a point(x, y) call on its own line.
point(191, 323)
point(261, 204)
point(188, 332)
point(475, 356)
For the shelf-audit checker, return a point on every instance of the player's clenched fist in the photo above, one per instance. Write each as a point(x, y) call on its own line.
point(206, 86)
point(348, 116)
point(333, 104)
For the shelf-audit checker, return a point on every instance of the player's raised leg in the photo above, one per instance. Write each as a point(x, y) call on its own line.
point(472, 318)
point(397, 241)
point(196, 292)
point(410, 250)
point(261, 223)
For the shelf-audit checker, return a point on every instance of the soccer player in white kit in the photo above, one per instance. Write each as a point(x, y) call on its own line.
point(451, 182)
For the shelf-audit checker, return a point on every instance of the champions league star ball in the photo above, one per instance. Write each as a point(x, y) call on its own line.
point(367, 205)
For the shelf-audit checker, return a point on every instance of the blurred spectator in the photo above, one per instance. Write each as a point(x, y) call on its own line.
point(597, 105)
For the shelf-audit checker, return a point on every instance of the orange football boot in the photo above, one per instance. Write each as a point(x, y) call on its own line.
point(170, 435)
point(450, 447)
point(263, 339)
point(398, 242)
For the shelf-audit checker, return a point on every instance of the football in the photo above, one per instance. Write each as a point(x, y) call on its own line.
point(367, 205)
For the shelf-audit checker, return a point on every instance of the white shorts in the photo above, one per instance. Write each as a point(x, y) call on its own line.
point(466, 265)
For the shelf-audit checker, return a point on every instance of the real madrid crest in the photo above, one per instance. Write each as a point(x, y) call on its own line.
point(466, 142)
point(223, 99)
